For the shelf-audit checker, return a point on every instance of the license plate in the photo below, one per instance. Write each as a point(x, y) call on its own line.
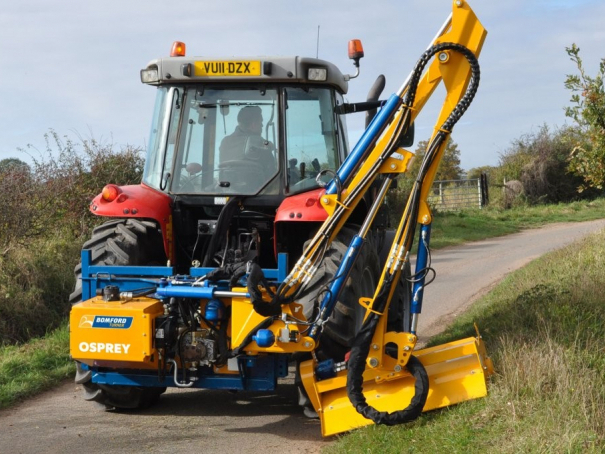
point(227, 68)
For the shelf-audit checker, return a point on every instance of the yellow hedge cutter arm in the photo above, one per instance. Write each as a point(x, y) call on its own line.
point(383, 371)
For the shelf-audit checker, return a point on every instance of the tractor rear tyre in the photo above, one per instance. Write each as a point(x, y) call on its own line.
point(400, 317)
point(348, 314)
point(120, 242)
point(347, 317)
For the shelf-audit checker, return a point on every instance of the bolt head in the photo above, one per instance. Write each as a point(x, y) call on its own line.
point(373, 362)
point(442, 56)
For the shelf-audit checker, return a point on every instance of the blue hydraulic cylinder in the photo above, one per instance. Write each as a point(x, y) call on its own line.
point(331, 297)
point(367, 140)
point(421, 264)
point(185, 291)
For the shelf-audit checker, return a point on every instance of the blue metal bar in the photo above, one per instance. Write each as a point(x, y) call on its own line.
point(367, 141)
point(231, 382)
point(282, 268)
point(256, 374)
point(421, 264)
point(85, 273)
point(160, 271)
point(331, 297)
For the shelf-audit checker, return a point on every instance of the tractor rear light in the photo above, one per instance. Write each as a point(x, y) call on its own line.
point(110, 192)
point(319, 74)
point(355, 49)
point(149, 76)
point(178, 49)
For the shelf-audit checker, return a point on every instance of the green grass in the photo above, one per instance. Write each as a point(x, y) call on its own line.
point(544, 326)
point(452, 228)
point(40, 364)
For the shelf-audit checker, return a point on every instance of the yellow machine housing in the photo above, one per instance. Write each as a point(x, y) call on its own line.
point(114, 331)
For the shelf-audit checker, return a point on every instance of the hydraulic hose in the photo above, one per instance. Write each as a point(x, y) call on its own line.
point(405, 236)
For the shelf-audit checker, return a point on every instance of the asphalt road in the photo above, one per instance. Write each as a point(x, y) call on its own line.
point(207, 421)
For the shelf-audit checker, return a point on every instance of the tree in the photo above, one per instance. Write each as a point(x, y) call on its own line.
point(449, 167)
point(11, 164)
point(587, 158)
point(476, 172)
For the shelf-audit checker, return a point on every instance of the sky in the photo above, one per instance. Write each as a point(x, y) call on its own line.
point(73, 66)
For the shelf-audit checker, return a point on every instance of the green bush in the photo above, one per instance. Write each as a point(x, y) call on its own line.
point(540, 161)
point(44, 221)
point(587, 159)
point(35, 282)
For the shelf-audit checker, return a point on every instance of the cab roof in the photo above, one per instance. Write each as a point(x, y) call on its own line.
point(294, 70)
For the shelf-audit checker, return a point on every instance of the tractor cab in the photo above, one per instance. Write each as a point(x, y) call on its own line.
point(244, 126)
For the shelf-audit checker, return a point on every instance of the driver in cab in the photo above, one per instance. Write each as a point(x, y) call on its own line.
point(246, 141)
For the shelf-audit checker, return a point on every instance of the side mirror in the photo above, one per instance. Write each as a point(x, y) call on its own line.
point(407, 140)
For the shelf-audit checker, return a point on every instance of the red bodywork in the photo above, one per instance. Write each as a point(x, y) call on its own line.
point(140, 201)
point(304, 207)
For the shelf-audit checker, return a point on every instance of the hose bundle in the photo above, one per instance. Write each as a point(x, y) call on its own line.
point(405, 236)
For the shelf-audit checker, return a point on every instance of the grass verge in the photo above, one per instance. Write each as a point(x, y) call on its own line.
point(544, 327)
point(33, 367)
point(453, 228)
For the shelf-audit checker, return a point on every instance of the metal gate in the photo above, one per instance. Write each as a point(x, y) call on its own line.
point(449, 195)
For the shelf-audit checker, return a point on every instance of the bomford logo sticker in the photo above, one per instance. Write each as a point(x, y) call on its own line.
point(105, 321)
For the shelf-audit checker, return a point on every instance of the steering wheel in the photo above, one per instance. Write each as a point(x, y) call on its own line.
point(189, 182)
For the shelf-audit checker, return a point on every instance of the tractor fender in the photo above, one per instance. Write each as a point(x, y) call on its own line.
point(300, 208)
point(142, 202)
point(305, 207)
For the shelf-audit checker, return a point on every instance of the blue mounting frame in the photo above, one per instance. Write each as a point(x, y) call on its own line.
point(256, 373)
point(130, 278)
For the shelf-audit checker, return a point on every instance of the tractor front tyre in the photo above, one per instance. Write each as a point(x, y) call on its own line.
point(120, 242)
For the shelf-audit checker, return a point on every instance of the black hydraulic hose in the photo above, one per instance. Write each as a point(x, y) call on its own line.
point(181, 355)
point(222, 226)
point(356, 367)
point(363, 339)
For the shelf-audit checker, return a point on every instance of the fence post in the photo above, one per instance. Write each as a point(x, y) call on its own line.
point(484, 190)
point(479, 192)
